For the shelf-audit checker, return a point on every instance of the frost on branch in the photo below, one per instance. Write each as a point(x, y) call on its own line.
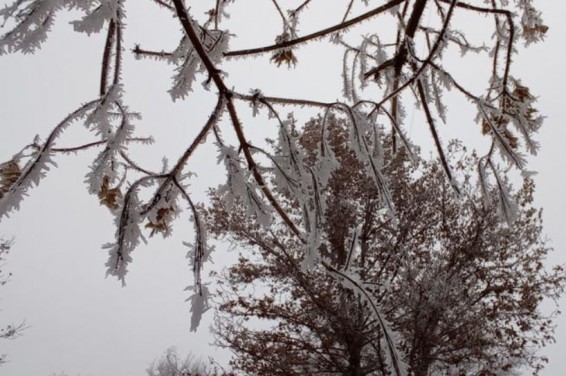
point(31, 20)
point(97, 13)
point(199, 251)
point(18, 177)
point(393, 356)
point(534, 29)
point(115, 137)
point(189, 64)
point(22, 181)
point(238, 187)
point(128, 232)
point(289, 171)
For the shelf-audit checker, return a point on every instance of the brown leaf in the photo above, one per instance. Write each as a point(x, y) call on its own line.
point(162, 221)
point(109, 196)
point(9, 174)
point(284, 55)
point(537, 30)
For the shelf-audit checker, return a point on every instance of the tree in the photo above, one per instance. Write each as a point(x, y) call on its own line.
point(171, 365)
point(384, 67)
point(461, 289)
point(9, 331)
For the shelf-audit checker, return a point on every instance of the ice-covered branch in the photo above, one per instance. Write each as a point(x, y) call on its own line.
point(36, 168)
point(319, 34)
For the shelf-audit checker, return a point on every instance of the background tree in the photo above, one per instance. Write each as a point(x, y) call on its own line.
point(170, 364)
point(401, 58)
point(462, 290)
point(9, 331)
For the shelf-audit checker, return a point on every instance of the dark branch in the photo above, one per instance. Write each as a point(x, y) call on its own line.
point(318, 34)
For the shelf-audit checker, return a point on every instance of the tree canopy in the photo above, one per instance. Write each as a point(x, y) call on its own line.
point(461, 289)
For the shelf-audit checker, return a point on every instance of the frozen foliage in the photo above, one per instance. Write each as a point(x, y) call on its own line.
point(97, 14)
point(215, 42)
point(104, 164)
point(239, 186)
point(128, 233)
point(32, 21)
point(391, 58)
point(22, 172)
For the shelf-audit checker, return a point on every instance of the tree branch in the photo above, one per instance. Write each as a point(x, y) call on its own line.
point(227, 94)
point(318, 34)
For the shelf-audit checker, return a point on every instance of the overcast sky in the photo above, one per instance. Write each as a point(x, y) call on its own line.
point(79, 321)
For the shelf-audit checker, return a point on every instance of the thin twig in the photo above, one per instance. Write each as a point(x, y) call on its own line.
point(432, 127)
point(164, 4)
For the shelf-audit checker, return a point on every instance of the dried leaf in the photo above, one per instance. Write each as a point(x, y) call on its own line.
point(162, 222)
point(9, 174)
point(535, 31)
point(511, 138)
point(109, 196)
point(284, 55)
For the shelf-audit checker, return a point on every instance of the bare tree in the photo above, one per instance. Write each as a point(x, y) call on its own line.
point(390, 57)
point(460, 289)
point(10, 331)
point(170, 364)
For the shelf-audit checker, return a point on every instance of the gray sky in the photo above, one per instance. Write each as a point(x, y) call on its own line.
point(81, 322)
